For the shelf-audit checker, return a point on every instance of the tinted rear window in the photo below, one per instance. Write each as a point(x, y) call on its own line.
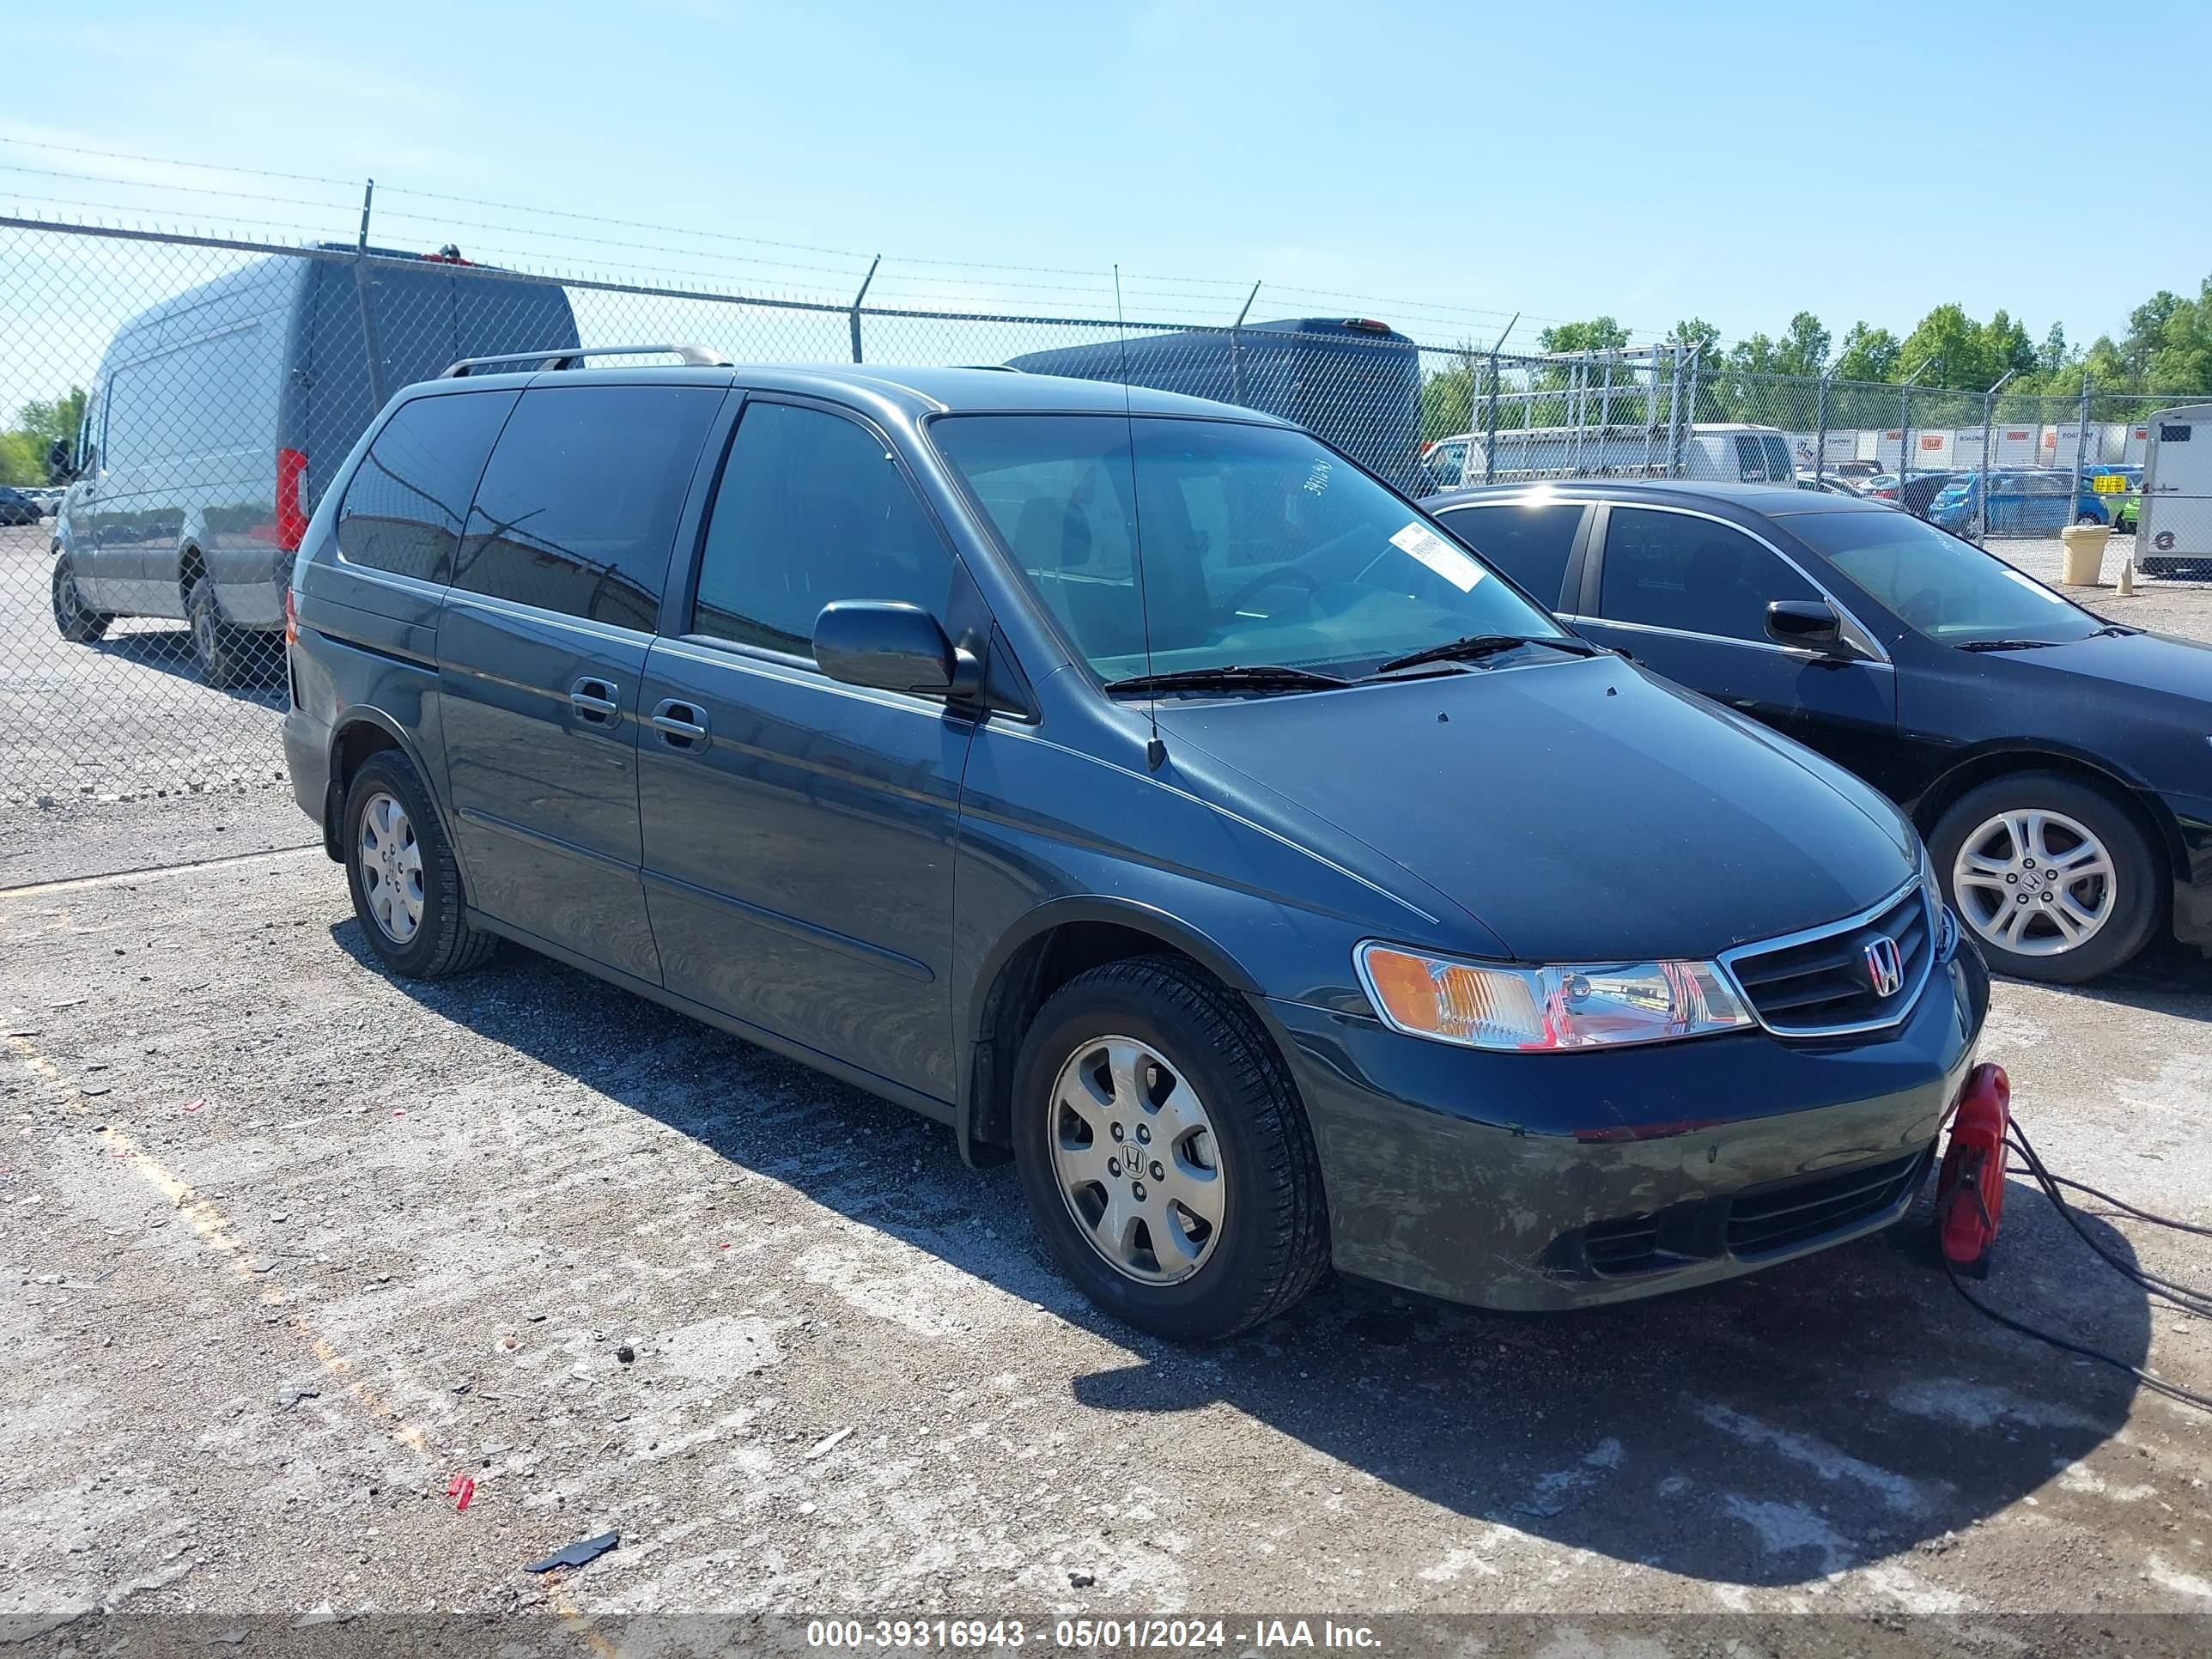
point(578, 508)
point(403, 509)
point(1528, 544)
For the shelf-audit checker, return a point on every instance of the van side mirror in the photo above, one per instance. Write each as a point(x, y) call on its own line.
point(891, 648)
point(61, 467)
point(1806, 625)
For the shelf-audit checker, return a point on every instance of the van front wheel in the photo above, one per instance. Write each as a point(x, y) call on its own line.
point(77, 621)
point(1164, 1154)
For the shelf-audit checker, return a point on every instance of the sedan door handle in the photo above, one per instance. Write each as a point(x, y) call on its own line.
point(681, 724)
point(597, 700)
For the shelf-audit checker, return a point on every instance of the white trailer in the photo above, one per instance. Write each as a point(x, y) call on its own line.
point(2175, 527)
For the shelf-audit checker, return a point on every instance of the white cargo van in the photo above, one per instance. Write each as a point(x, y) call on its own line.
point(2175, 526)
point(1713, 451)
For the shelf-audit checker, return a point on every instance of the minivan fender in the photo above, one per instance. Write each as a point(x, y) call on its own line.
point(977, 1139)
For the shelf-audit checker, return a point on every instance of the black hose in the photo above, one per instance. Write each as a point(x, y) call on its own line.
point(2137, 1211)
point(2188, 1297)
point(2157, 1385)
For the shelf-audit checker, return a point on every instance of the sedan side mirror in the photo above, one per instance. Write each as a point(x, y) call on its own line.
point(1807, 625)
point(891, 648)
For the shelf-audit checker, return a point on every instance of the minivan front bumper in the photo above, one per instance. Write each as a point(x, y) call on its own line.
point(1555, 1181)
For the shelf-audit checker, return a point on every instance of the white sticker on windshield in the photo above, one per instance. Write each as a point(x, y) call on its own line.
point(2033, 587)
point(1440, 556)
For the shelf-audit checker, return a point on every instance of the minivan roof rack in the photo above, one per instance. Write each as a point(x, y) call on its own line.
point(698, 356)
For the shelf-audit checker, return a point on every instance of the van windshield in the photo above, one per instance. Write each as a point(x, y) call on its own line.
point(1259, 546)
point(1938, 585)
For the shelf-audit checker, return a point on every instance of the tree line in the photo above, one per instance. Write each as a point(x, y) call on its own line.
point(1950, 359)
point(25, 446)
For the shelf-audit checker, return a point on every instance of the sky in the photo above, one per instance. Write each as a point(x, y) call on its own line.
point(1442, 166)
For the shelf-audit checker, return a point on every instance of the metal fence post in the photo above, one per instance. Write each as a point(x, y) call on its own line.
point(853, 317)
point(1490, 424)
point(1904, 443)
point(1237, 348)
point(2080, 450)
point(370, 342)
point(1820, 436)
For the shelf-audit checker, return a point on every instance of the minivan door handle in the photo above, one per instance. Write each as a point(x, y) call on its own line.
point(598, 701)
point(681, 724)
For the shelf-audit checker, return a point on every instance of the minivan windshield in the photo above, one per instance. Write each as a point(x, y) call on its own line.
point(1257, 545)
point(1938, 585)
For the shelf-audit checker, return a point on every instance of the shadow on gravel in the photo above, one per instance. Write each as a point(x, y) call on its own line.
point(2167, 978)
point(169, 651)
point(1821, 1415)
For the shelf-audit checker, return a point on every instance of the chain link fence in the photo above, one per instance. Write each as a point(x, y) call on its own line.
point(184, 399)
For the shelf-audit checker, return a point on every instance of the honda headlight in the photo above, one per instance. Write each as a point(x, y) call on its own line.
point(1593, 1005)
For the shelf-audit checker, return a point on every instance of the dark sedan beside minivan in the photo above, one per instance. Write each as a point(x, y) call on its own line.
point(1138, 786)
point(2059, 764)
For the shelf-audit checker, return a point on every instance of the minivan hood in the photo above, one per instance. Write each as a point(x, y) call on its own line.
point(1581, 811)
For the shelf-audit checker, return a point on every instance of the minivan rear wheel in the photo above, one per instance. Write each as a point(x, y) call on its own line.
point(221, 647)
point(1164, 1152)
point(405, 882)
point(77, 621)
point(2055, 879)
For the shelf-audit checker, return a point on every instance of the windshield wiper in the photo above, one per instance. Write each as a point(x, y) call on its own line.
point(1233, 676)
point(2006, 645)
point(1475, 646)
point(2118, 630)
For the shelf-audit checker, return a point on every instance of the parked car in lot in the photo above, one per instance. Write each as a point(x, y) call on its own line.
point(17, 507)
point(213, 416)
point(2055, 762)
point(1827, 485)
point(2034, 501)
point(1136, 785)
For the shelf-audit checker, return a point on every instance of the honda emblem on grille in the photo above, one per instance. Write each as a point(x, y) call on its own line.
point(1885, 968)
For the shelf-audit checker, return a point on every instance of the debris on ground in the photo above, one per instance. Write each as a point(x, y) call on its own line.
point(827, 1443)
point(577, 1555)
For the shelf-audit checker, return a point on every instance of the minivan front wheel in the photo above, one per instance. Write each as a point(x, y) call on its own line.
point(1164, 1152)
point(400, 869)
point(77, 621)
point(2057, 881)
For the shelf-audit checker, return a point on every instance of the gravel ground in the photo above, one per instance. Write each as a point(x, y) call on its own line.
point(113, 756)
point(292, 1248)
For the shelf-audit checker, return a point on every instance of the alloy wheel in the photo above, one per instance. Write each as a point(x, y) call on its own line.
point(1136, 1160)
point(391, 862)
point(2035, 882)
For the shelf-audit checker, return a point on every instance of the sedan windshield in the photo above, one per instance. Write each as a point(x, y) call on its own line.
point(1938, 585)
point(1221, 544)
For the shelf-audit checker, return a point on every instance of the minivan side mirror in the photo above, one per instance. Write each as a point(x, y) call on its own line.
point(891, 648)
point(1806, 625)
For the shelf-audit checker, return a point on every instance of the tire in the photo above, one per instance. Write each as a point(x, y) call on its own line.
point(2127, 901)
point(439, 941)
point(1270, 1243)
point(2088, 518)
point(224, 650)
point(76, 621)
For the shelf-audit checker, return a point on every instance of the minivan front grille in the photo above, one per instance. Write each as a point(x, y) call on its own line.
point(1784, 1217)
point(1826, 983)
